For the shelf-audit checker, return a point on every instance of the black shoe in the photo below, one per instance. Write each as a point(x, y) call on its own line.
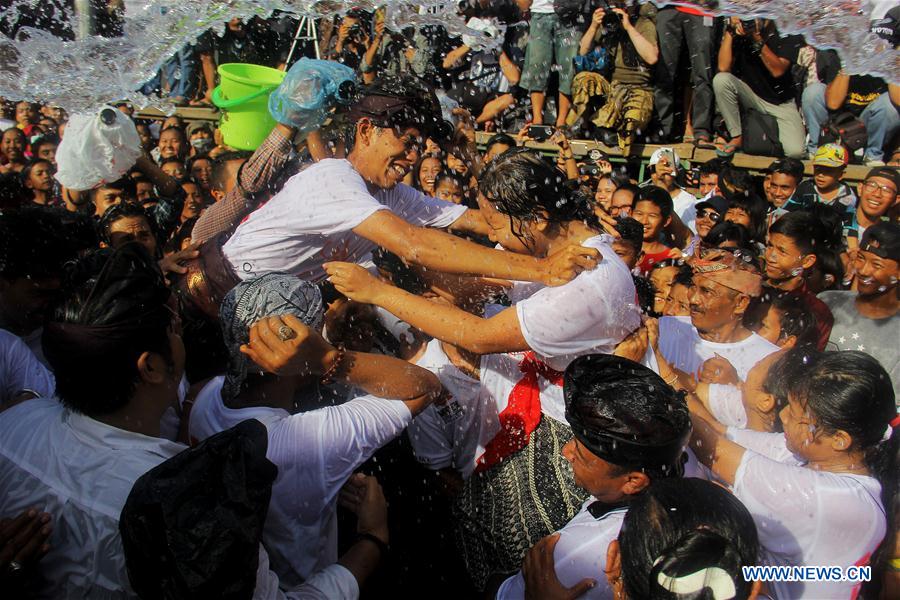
point(608, 137)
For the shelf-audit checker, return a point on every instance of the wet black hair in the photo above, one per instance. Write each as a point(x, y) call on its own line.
point(500, 138)
point(627, 186)
point(756, 209)
point(34, 243)
point(681, 526)
point(631, 232)
point(625, 414)
point(453, 176)
point(524, 186)
point(400, 274)
point(658, 196)
point(184, 232)
point(727, 231)
point(106, 322)
point(797, 318)
point(120, 211)
point(684, 276)
point(734, 181)
point(172, 159)
point(807, 231)
point(787, 166)
point(644, 290)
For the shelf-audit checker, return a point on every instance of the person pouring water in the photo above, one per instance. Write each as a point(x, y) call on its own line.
point(342, 209)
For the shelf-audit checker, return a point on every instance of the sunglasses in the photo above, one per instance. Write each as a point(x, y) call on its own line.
point(709, 214)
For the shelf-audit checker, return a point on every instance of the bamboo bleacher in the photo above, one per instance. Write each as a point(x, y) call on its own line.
point(641, 152)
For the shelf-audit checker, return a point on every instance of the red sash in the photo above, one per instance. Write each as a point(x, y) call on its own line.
point(522, 413)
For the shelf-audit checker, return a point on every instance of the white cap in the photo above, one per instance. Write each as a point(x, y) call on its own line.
point(660, 152)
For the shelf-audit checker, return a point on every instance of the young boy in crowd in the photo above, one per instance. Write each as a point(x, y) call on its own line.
point(652, 208)
point(826, 187)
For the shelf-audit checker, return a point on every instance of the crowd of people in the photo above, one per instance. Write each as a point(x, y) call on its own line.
point(377, 359)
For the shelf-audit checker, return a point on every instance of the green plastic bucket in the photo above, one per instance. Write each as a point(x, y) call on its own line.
point(243, 96)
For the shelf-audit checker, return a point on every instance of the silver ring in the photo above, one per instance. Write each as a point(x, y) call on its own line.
point(285, 333)
point(14, 566)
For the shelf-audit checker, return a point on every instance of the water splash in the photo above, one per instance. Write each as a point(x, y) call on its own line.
point(83, 74)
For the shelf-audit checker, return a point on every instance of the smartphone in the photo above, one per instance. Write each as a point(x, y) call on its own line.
point(539, 133)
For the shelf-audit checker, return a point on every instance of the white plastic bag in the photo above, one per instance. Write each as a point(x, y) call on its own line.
point(97, 148)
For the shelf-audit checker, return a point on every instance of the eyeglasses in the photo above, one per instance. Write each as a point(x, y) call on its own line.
point(709, 214)
point(872, 187)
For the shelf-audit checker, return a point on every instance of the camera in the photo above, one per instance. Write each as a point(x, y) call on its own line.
point(539, 133)
point(592, 171)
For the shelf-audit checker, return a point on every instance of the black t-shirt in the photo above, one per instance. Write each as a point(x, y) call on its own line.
point(749, 67)
point(863, 89)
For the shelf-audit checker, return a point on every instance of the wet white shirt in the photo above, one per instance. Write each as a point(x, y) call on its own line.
point(311, 222)
point(579, 554)
point(21, 370)
point(81, 471)
point(315, 452)
point(726, 404)
point(588, 315)
point(447, 436)
point(685, 350)
point(810, 518)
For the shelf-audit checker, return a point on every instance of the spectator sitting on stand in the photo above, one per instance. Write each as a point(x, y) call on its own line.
point(870, 99)
point(628, 96)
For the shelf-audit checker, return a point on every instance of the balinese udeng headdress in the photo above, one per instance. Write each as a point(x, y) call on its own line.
point(598, 389)
point(269, 295)
point(402, 102)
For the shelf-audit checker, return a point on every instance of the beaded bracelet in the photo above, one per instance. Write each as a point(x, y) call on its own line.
point(328, 375)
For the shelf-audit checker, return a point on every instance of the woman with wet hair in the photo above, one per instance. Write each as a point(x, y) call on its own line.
point(531, 210)
point(684, 538)
point(836, 506)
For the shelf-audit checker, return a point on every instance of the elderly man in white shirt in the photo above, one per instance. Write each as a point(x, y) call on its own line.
point(713, 338)
point(118, 358)
point(630, 428)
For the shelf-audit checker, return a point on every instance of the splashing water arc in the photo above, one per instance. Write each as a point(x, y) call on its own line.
point(83, 74)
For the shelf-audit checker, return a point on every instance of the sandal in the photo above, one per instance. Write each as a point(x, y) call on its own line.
point(729, 149)
point(704, 141)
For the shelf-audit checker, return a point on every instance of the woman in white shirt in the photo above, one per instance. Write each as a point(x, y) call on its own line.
point(833, 510)
point(531, 211)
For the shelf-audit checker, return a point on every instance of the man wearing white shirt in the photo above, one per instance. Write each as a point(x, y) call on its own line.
point(20, 371)
point(630, 428)
point(117, 354)
point(342, 209)
point(723, 287)
point(316, 451)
